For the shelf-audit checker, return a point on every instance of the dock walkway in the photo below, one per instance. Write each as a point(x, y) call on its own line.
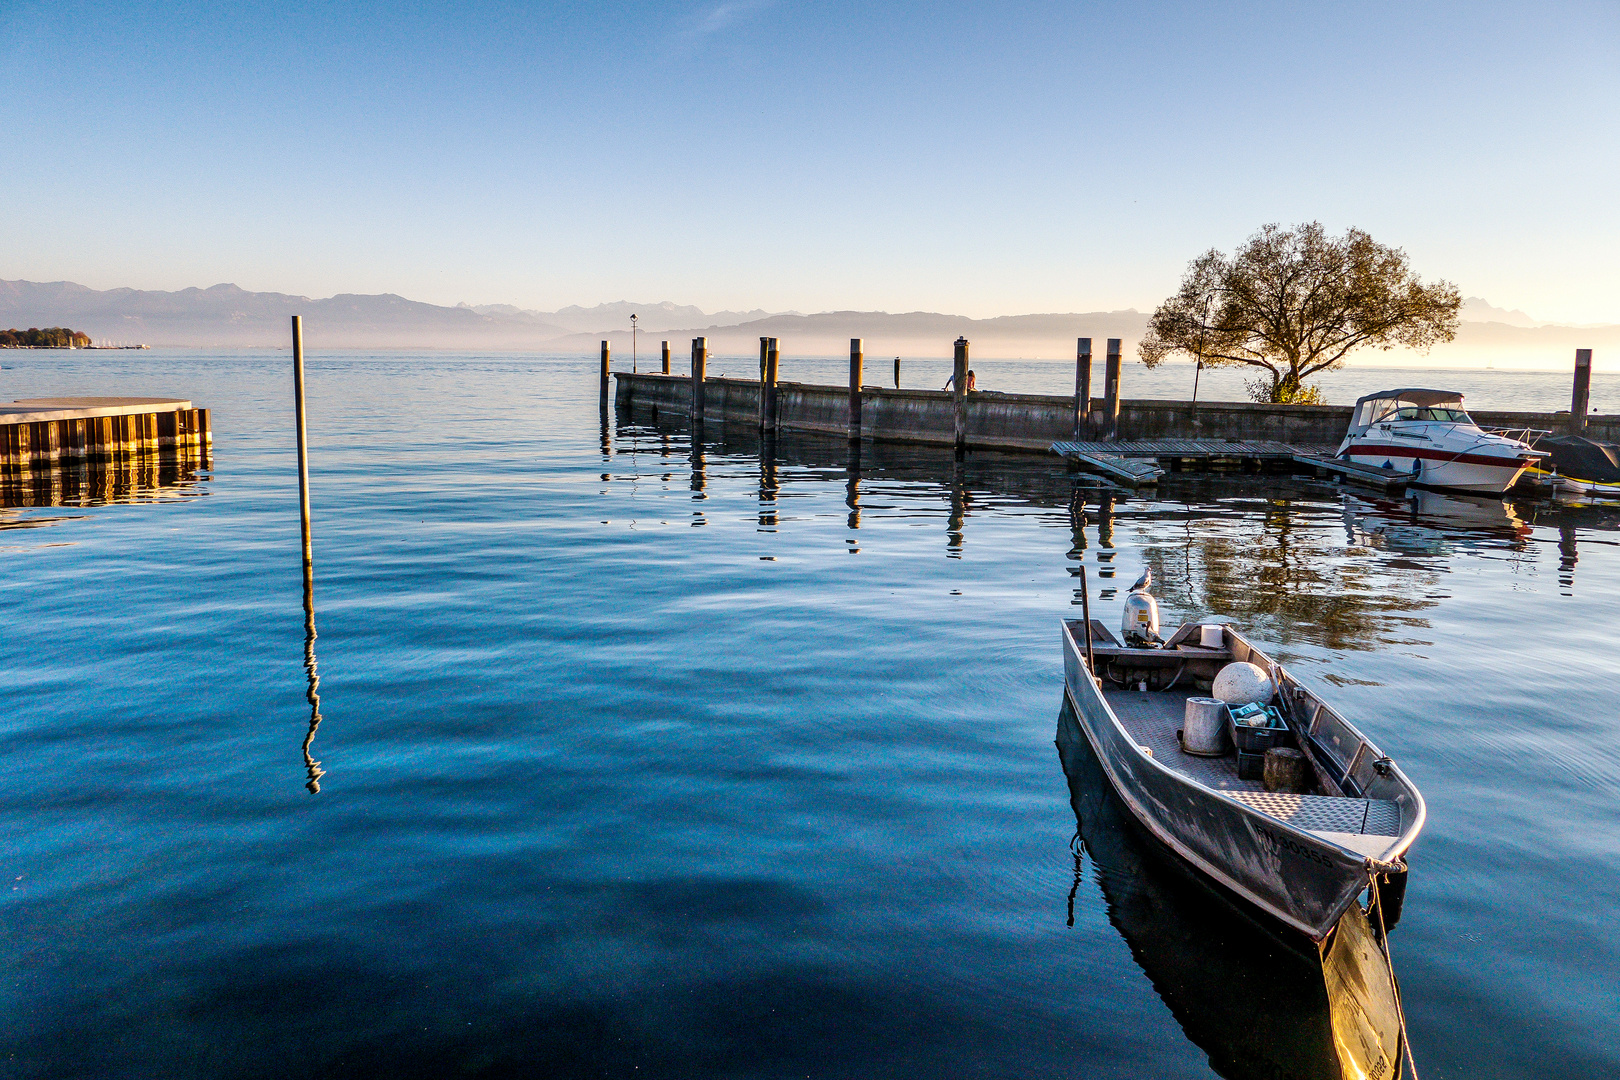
point(41, 433)
point(1142, 461)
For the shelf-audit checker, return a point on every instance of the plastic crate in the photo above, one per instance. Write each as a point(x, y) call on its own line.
point(1257, 740)
point(1251, 766)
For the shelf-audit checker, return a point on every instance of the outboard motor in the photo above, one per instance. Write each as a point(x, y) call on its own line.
point(1140, 625)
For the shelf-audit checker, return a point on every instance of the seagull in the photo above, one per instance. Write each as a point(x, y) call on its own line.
point(1145, 582)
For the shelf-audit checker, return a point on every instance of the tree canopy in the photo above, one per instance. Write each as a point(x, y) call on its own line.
point(1295, 302)
point(52, 337)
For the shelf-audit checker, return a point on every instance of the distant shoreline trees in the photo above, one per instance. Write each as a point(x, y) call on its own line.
point(1291, 303)
point(52, 337)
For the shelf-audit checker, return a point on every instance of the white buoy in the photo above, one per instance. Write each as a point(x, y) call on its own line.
point(1243, 684)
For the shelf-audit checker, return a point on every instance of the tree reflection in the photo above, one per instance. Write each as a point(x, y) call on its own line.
point(1287, 573)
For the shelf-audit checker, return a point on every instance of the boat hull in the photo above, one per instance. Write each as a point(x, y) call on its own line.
point(1490, 474)
point(1295, 877)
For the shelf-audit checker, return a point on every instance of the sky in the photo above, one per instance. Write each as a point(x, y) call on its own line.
point(979, 159)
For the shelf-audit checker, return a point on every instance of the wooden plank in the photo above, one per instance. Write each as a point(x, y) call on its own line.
point(1359, 474)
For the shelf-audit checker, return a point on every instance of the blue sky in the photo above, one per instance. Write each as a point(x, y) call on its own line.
point(983, 159)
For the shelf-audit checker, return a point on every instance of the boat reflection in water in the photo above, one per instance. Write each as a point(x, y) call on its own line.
point(1435, 523)
point(1252, 996)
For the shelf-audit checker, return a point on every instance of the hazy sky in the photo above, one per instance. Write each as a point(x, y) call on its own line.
point(982, 159)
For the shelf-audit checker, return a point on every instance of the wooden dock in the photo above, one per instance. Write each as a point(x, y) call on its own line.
point(1139, 462)
point(1383, 479)
point(1130, 471)
point(45, 433)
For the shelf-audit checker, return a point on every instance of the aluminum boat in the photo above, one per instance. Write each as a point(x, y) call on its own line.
point(1427, 435)
point(1302, 858)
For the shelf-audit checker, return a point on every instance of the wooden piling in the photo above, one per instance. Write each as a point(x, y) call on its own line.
point(764, 359)
point(857, 358)
point(1111, 392)
point(959, 384)
point(606, 363)
point(1082, 389)
point(666, 358)
point(700, 366)
point(1580, 402)
point(303, 437)
point(897, 373)
point(773, 367)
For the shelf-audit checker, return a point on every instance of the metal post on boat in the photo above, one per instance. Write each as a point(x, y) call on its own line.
point(666, 358)
point(606, 363)
point(1082, 389)
point(1111, 392)
point(700, 364)
point(959, 385)
point(1085, 613)
point(857, 359)
point(303, 437)
point(1579, 403)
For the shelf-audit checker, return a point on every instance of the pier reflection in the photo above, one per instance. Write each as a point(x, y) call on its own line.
point(1249, 997)
point(1298, 560)
point(150, 478)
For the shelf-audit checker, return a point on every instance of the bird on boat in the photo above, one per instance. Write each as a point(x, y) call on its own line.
point(1145, 582)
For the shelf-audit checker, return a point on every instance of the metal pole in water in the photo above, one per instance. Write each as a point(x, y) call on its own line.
point(606, 361)
point(303, 437)
point(959, 385)
point(857, 358)
point(1082, 389)
point(1579, 403)
point(666, 358)
point(1111, 391)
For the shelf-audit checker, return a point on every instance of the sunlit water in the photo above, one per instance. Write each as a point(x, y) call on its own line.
point(643, 760)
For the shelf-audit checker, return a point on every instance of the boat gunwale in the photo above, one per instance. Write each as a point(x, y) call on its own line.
point(1392, 854)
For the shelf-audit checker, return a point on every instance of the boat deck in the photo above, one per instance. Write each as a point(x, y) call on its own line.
point(1153, 718)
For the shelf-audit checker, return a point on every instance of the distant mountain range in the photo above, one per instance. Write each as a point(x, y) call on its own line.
point(225, 316)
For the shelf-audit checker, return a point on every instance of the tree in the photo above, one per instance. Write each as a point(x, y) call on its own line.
point(1295, 302)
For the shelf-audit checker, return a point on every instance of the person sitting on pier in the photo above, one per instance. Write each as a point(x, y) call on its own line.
point(972, 383)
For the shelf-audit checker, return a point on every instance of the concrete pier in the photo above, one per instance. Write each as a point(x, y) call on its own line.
point(44, 433)
point(1027, 422)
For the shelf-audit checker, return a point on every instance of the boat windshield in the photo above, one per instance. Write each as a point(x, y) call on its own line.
point(1440, 413)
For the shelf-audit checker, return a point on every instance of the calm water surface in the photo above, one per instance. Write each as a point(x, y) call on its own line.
point(644, 758)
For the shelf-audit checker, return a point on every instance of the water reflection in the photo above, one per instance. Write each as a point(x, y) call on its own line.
point(151, 478)
point(1249, 997)
point(312, 768)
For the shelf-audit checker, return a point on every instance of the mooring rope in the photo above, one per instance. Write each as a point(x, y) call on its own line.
point(1389, 962)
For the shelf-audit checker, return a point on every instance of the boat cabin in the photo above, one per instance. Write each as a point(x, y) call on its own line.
point(1389, 406)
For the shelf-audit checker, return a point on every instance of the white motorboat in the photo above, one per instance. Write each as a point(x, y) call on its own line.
point(1427, 435)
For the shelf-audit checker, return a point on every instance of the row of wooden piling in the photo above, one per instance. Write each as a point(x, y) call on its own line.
point(1089, 423)
point(43, 444)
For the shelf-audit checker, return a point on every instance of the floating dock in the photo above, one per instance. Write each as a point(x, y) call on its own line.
point(1139, 462)
point(43, 433)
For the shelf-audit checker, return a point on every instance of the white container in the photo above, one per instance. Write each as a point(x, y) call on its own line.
point(1204, 730)
point(1211, 636)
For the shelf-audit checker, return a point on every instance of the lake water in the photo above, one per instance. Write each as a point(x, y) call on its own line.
point(644, 759)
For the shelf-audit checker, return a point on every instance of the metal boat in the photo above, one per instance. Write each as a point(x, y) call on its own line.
point(1302, 858)
point(1428, 435)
